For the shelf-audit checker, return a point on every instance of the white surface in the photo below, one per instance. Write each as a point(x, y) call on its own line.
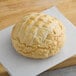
point(18, 65)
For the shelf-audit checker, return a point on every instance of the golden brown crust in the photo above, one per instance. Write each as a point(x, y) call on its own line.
point(38, 36)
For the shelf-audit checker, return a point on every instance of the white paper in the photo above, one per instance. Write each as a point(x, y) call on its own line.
point(18, 65)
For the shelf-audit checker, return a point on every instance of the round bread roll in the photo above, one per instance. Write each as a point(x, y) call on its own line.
point(38, 35)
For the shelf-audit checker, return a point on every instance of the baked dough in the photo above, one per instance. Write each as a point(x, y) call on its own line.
point(38, 35)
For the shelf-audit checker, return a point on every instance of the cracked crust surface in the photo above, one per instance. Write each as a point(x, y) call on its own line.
point(38, 35)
